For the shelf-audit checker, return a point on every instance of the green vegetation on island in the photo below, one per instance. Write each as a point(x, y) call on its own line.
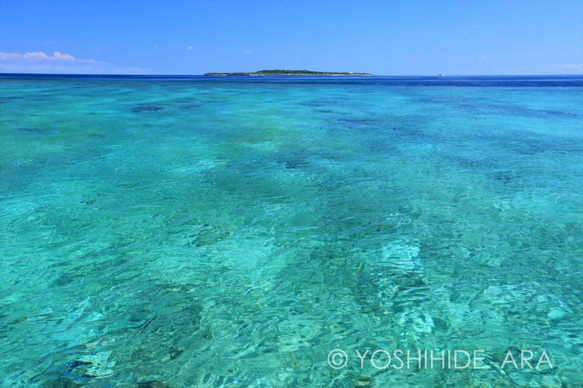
point(291, 72)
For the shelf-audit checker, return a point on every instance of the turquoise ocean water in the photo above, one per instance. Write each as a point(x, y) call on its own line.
point(206, 232)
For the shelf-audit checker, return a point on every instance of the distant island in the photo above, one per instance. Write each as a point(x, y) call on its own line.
point(292, 72)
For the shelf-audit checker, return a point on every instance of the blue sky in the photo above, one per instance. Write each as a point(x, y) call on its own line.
point(391, 37)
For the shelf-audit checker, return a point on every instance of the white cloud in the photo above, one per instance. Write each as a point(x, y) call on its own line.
point(39, 56)
point(248, 52)
point(64, 57)
point(7, 56)
point(35, 55)
point(38, 61)
point(572, 66)
point(189, 48)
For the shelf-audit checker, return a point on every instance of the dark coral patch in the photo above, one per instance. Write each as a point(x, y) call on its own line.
point(146, 108)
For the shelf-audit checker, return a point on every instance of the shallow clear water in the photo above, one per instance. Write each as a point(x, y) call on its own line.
point(195, 231)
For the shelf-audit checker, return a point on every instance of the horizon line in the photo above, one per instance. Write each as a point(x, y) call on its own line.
point(438, 75)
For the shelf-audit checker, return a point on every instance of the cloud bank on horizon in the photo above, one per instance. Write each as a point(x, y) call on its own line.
point(60, 63)
point(40, 62)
